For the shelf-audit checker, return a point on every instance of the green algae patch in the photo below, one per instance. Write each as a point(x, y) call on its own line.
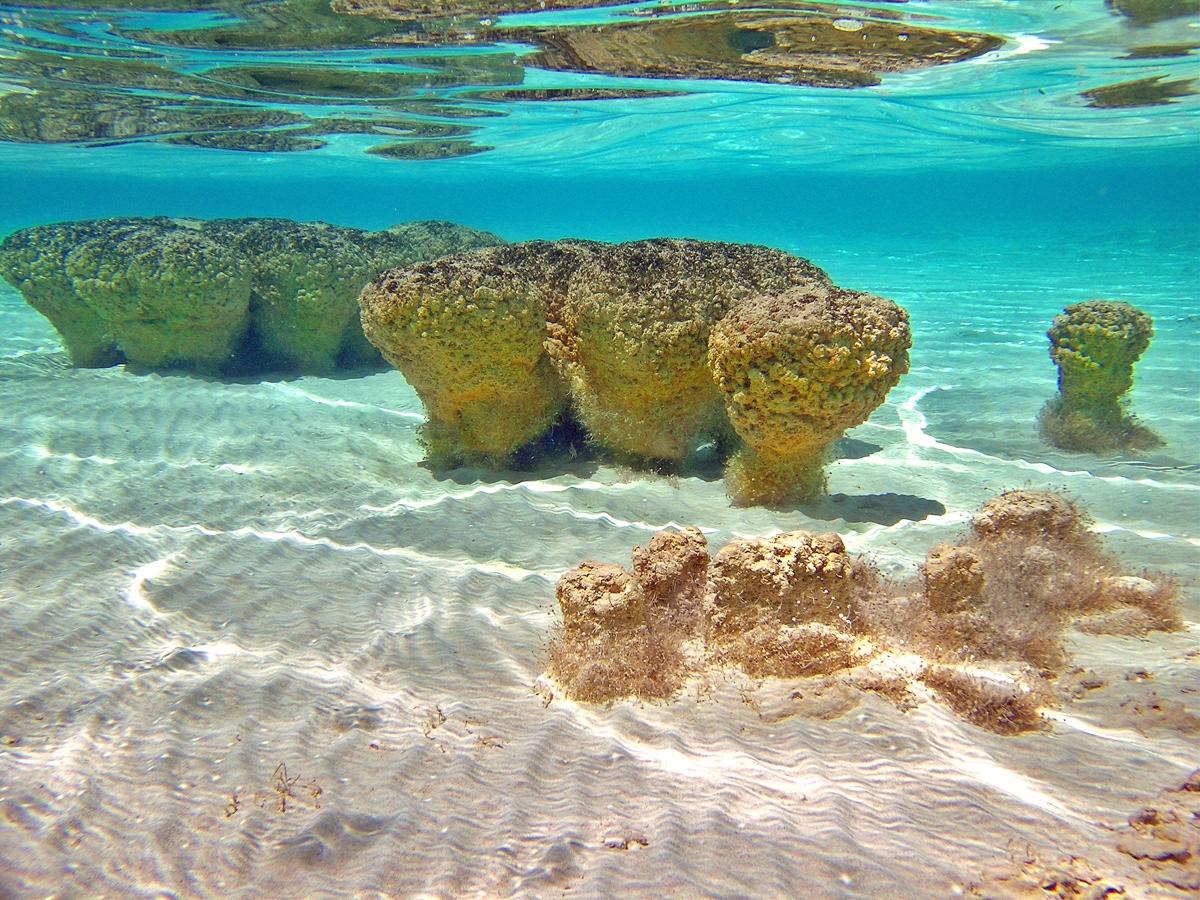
point(429, 150)
point(1147, 12)
point(1143, 92)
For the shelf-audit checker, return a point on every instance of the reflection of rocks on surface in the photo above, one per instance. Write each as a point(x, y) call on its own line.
point(428, 150)
point(1153, 91)
point(978, 632)
point(775, 47)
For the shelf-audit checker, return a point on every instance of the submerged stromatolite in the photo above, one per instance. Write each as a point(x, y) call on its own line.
point(166, 293)
point(981, 629)
point(635, 331)
point(655, 347)
point(1095, 345)
point(796, 370)
point(34, 261)
point(467, 333)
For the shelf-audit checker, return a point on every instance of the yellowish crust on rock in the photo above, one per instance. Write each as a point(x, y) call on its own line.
point(467, 333)
point(796, 370)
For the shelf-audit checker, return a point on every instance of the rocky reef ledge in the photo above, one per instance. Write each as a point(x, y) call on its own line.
point(228, 296)
point(980, 630)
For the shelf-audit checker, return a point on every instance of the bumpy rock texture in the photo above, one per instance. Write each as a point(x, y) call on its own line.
point(636, 324)
point(796, 370)
point(635, 632)
point(981, 629)
point(1095, 345)
point(655, 347)
point(233, 294)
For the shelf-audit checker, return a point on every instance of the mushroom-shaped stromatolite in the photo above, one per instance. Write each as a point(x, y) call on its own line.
point(467, 332)
point(635, 332)
point(34, 261)
point(1095, 345)
point(168, 294)
point(171, 292)
point(796, 370)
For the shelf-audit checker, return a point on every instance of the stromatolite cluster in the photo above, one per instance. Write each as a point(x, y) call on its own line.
point(654, 347)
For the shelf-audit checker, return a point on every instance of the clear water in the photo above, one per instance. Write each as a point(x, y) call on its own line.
point(202, 579)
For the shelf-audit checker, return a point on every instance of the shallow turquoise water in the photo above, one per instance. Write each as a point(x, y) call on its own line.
point(202, 579)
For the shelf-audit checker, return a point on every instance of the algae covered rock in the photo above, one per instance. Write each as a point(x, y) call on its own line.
point(654, 347)
point(796, 370)
point(306, 279)
point(170, 295)
point(790, 579)
point(981, 630)
point(1029, 514)
point(1095, 345)
point(953, 578)
point(632, 632)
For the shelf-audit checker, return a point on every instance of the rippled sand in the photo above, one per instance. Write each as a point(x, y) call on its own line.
point(252, 646)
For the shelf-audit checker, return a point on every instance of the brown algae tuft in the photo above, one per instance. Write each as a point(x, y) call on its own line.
point(981, 631)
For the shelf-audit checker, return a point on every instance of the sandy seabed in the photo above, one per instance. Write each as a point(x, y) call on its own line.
point(252, 647)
